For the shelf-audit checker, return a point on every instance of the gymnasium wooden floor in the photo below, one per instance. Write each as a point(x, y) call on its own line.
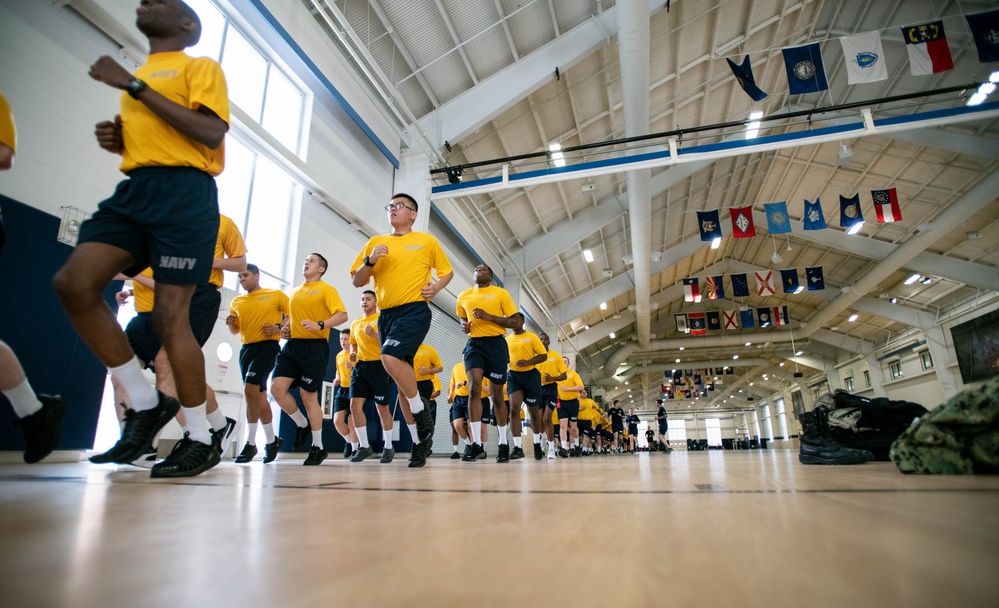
point(708, 529)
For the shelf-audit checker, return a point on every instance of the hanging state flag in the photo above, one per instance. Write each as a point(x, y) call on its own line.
point(849, 211)
point(765, 283)
point(740, 285)
point(730, 322)
point(742, 222)
point(698, 325)
point(681, 323)
point(744, 76)
point(764, 316)
point(709, 225)
point(985, 29)
point(777, 220)
point(927, 47)
point(814, 220)
point(805, 72)
point(789, 280)
point(886, 205)
point(864, 57)
point(746, 318)
point(691, 293)
point(729, 371)
point(778, 315)
point(714, 320)
point(714, 289)
point(813, 276)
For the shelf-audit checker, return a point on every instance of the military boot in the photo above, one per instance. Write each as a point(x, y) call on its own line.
point(818, 448)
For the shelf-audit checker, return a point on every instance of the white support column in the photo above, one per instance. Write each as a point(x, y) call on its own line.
point(832, 375)
point(936, 339)
point(877, 376)
point(413, 178)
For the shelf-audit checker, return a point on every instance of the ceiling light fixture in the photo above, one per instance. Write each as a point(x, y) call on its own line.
point(855, 228)
point(587, 255)
point(603, 306)
point(612, 335)
point(555, 151)
point(845, 155)
point(716, 242)
point(853, 317)
point(912, 279)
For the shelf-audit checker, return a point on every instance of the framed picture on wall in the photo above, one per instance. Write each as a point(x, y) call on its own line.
point(327, 401)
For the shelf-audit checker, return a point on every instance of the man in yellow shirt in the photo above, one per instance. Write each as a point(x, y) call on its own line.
point(342, 419)
point(589, 417)
point(174, 117)
point(400, 264)
point(457, 396)
point(369, 380)
point(257, 316)
point(552, 370)
point(484, 311)
point(568, 410)
point(427, 364)
point(315, 308)
point(524, 383)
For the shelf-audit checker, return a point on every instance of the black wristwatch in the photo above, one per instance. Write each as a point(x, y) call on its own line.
point(368, 262)
point(322, 325)
point(134, 87)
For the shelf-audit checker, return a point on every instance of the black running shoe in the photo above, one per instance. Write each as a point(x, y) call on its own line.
point(147, 460)
point(564, 453)
point(348, 450)
point(362, 453)
point(503, 453)
point(418, 458)
point(455, 456)
point(388, 454)
point(188, 458)
point(425, 426)
point(249, 451)
point(538, 452)
point(224, 436)
point(271, 450)
point(141, 428)
point(517, 453)
point(41, 430)
point(473, 452)
point(302, 434)
point(316, 456)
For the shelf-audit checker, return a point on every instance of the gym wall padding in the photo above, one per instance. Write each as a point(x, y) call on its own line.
point(33, 323)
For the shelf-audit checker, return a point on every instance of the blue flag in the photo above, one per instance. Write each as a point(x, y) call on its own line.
point(740, 285)
point(765, 316)
point(814, 220)
point(849, 211)
point(789, 279)
point(805, 72)
point(714, 320)
point(746, 317)
point(777, 220)
point(985, 29)
point(709, 225)
point(813, 276)
point(744, 76)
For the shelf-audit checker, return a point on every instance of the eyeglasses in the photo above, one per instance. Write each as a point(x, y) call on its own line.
point(397, 207)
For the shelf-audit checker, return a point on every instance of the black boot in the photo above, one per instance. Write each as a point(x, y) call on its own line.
point(818, 448)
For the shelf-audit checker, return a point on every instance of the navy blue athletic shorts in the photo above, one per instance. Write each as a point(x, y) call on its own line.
point(256, 362)
point(489, 354)
point(549, 395)
point(305, 361)
point(204, 311)
point(459, 409)
point(528, 382)
point(403, 329)
point(341, 400)
point(369, 380)
point(586, 428)
point(568, 409)
point(142, 338)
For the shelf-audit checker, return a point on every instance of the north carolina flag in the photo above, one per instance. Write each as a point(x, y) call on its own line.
point(789, 280)
point(746, 317)
point(691, 293)
point(805, 72)
point(714, 289)
point(698, 326)
point(730, 322)
point(740, 285)
point(742, 222)
point(681, 323)
point(849, 211)
point(744, 76)
point(864, 58)
point(714, 320)
point(886, 205)
point(927, 47)
point(765, 284)
point(985, 29)
point(709, 225)
point(777, 220)
point(814, 220)
point(814, 278)
point(763, 315)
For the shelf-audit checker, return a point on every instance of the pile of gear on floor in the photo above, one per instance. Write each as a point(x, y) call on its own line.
point(959, 437)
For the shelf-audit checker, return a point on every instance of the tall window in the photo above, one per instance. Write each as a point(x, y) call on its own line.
point(768, 422)
point(677, 431)
point(926, 359)
point(756, 424)
point(896, 369)
point(849, 384)
point(867, 378)
point(782, 418)
point(713, 428)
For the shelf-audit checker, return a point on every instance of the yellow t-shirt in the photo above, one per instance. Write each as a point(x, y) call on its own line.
point(190, 82)
point(458, 377)
point(572, 379)
point(555, 416)
point(144, 296)
point(426, 356)
point(492, 299)
point(588, 410)
point(401, 275)
point(343, 367)
point(437, 383)
point(258, 308)
point(523, 347)
point(229, 244)
point(316, 301)
point(8, 133)
point(553, 366)
point(368, 348)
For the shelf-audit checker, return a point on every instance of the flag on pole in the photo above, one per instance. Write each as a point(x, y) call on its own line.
point(814, 220)
point(709, 225)
point(886, 205)
point(698, 326)
point(985, 29)
point(691, 293)
point(777, 220)
point(744, 76)
point(730, 322)
point(927, 47)
point(805, 72)
point(746, 317)
point(740, 285)
point(765, 283)
point(714, 320)
point(789, 280)
point(764, 316)
point(864, 57)
point(742, 222)
point(849, 211)
point(814, 278)
point(681, 323)
point(714, 289)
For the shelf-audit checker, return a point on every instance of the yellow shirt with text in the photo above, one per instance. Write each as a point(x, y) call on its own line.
point(553, 366)
point(572, 379)
point(524, 347)
point(459, 381)
point(229, 244)
point(257, 308)
point(401, 275)
point(369, 348)
point(493, 300)
point(343, 367)
point(314, 302)
point(426, 356)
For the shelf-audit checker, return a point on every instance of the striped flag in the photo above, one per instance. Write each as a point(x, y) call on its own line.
point(765, 284)
point(886, 205)
point(698, 326)
point(714, 289)
point(691, 293)
point(927, 47)
point(778, 315)
point(730, 322)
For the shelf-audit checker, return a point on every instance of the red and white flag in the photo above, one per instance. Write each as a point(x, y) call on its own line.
point(886, 205)
point(730, 322)
point(779, 316)
point(742, 222)
point(765, 285)
point(927, 48)
point(691, 291)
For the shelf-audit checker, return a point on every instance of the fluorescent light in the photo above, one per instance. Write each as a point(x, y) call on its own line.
point(603, 306)
point(855, 228)
point(677, 360)
point(753, 128)
point(716, 242)
point(800, 289)
point(587, 255)
point(782, 364)
point(912, 279)
point(612, 335)
point(749, 343)
point(984, 90)
point(555, 149)
point(799, 353)
point(735, 356)
point(853, 317)
point(681, 348)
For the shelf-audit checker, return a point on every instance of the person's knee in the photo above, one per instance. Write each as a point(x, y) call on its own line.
point(74, 291)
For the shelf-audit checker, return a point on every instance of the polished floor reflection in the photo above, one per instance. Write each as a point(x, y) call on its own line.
point(733, 528)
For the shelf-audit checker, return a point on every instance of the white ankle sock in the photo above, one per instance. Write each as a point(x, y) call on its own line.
point(23, 399)
point(518, 442)
point(129, 375)
point(197, 424)
point(362, 437)
point(415, 404)
point(387, 437)
point(317, 439)
point(502, 434)
point(217, 420)
point(269, 432)
point(299, 419)
point(251, 433)
point(412, 431)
